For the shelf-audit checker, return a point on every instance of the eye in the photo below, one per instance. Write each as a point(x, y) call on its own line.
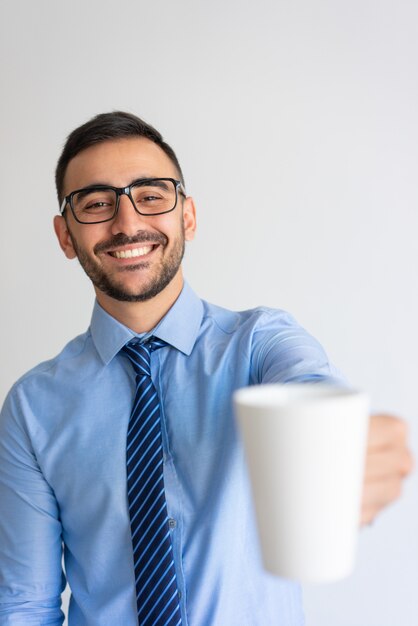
point(147, 195)
point(94, 200)
point(96, 205)
point(153, 197)
point(149, 198)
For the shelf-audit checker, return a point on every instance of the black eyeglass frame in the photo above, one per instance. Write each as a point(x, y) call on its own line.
point(120, 191)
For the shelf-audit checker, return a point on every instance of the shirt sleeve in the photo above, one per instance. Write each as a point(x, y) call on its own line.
point(31, 576)
point(284, 352)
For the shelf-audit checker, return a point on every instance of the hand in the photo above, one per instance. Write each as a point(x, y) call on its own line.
point(388, 462)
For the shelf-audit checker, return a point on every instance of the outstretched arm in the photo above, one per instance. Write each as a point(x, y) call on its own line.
point(292, 355)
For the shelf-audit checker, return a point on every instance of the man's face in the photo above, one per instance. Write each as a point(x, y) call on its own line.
point(133, 257)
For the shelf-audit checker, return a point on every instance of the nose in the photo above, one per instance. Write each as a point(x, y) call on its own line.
point(127, 219)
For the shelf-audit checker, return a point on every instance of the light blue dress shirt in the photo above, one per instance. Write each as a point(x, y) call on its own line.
point(63, 477)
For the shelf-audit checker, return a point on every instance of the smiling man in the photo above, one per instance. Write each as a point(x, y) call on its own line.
point(122, 451)
point(128, 237)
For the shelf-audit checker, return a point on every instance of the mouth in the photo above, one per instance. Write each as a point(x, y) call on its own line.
point(132, 253)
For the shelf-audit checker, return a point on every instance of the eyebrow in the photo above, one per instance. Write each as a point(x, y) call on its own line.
point(137, 181)
point(144, 181)
point(89, 189)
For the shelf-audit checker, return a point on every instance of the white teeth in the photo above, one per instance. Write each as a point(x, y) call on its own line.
point(128, 254)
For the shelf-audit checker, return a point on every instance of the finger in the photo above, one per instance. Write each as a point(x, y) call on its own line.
point(381, 463)
point(368, 516)
point(386, 431)
point(380, 493)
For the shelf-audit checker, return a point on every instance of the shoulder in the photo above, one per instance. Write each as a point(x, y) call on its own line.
point(280, 349)
point(250, 320)
point(56, 369)
point(67, 357)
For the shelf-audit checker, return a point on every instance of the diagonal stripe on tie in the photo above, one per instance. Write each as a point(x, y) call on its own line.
point(144, 432)
point(136, 508)
point(143, 579)
point(141, 524)
point(134, 452)
point(143, 475)
point(142, 491)
point(153, 545)
point(154, 606)
point(155, 576)
point(164, 575)
point(147, 395)
point(151, 446)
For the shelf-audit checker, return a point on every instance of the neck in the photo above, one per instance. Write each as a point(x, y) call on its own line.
point(141, 317)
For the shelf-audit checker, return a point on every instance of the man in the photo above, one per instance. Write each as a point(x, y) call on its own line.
point(123, 449)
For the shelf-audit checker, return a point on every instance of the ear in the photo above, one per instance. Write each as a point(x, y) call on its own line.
point(189, 218)
point(64, 237)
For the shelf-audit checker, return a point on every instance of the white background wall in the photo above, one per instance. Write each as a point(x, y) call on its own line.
point(296, 125)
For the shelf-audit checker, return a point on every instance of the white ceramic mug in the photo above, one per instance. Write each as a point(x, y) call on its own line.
point(305, 446)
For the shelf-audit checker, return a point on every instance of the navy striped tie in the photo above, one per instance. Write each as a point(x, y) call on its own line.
point(155, 577)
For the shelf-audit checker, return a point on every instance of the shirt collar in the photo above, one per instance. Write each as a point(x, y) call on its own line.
point(179, 327)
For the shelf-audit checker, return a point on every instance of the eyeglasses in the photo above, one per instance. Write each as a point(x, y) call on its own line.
point(100, 203)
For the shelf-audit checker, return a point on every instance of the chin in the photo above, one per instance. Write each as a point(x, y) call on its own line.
point(136, 294)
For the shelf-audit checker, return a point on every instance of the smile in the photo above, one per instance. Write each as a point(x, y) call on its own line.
point(129, 254)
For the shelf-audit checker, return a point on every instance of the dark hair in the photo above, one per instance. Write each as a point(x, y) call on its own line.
point(104, 127)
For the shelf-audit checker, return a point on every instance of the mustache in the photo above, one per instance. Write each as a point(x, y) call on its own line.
point(120, 239)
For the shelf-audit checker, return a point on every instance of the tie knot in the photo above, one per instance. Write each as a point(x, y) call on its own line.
point(140, 354)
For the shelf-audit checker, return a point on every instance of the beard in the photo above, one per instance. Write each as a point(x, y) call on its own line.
point(111, 286)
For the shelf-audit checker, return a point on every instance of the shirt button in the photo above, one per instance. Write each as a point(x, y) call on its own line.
point(172, 523)
point(179, 594)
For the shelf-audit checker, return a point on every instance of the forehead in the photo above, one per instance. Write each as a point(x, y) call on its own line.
point(117, 162)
